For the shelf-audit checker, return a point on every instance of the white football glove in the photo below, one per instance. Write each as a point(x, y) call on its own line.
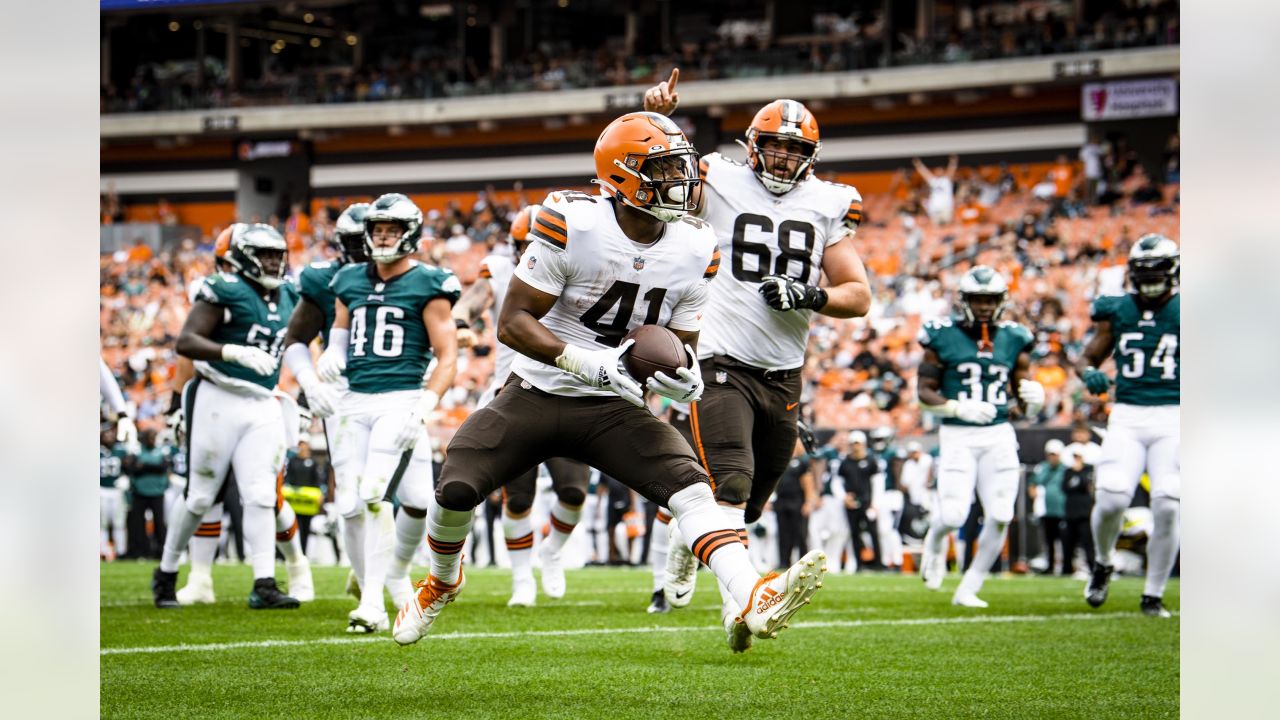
point(1032, 395)
point(321, 397)
point(126, 431)
point(977, 412)
point(331, 365)
point(686, 388)
point(412, 429)
point(602, 369)
point(256, 360)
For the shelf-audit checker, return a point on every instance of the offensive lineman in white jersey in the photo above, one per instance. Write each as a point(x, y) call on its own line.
point(782, 229)
point(569, 479)
point(602, 266)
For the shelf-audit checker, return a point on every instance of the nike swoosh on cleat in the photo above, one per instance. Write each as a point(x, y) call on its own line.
point(686, 592)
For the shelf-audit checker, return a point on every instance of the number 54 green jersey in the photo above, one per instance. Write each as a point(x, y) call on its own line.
point(1147, 352)
point(390, 349)
point(247, 319)
point(973, 373)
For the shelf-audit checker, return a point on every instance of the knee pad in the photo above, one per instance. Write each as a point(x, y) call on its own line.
point(198, 504)
point(952, 512)
point(1165, 511)
point(457, 495)
point(1108, 502)
point(518, 504)
point(733, 488)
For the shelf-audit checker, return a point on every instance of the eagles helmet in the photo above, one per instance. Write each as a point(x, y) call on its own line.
point(981, 281)
point(348, 234)
point(396, 208)
point(258, 253)
point(881, 436)
point(1153, 265)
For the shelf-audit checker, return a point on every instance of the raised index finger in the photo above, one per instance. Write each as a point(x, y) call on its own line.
point(671, 81)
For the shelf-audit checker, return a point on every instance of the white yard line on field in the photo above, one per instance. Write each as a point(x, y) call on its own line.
point(255, 644)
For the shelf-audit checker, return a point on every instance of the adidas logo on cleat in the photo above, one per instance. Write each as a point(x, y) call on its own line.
point(771, 597)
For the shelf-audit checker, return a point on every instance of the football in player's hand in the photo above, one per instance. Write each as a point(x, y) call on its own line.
point(656, 348)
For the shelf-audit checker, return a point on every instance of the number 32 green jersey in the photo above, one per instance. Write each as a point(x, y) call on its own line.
point(389, 349)
point(970, 374)
point(1147, 353)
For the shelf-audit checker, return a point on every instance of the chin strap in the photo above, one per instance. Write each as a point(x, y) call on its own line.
point(985, 344)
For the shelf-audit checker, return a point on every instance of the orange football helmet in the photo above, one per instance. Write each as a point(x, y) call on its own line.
point(222, 245)
point(520, 226)
point(789, 121)
point(644, 160)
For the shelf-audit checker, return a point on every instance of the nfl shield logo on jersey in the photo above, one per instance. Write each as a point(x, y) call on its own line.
point(637, 263)
point(532, 261)
point(722, 377)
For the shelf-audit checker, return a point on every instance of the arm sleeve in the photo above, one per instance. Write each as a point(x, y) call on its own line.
point(687, 314)
point(544, 267)
point(111, 390)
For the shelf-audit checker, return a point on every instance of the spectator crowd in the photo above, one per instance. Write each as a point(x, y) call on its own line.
point(427, 62)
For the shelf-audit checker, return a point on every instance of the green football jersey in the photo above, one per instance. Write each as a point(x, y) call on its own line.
point(389, 349)
point(968, 374)
point(314, 286)
point(247, 319)
point(110, 464)
point(1146, 351)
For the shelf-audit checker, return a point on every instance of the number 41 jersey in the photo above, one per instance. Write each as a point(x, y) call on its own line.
point(971, 373)
point(765, 234)
point(608, 284)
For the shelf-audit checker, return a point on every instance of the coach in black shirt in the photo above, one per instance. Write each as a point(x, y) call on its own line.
point(860, 471)
point(795, 498)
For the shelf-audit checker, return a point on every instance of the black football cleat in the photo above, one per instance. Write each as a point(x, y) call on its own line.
point(164, 588)
point(658, 604)
point(267, 596)
point(1153, 606)
point(1095, 593)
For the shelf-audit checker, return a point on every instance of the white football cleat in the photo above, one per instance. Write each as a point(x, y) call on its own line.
point(419, 614)
point(553, 583)
point(353, 585)
point(524, 592)
point(400, 589)
point(968, 599)
point(367, 620)
point(682, 571)
point(776, 598)
point(198, 590)
point(934, 570)
point(300, 586)
point(739, 635)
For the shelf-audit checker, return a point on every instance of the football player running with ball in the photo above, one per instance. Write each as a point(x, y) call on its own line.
point(781, 230)
point(391, 315)
point(234, 417)
point(599, 267)
point(970, 365)
point(1142, 330)
point(569, 479)
point(311, 318)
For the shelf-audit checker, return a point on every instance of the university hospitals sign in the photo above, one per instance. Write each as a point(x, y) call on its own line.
point(1129, 99)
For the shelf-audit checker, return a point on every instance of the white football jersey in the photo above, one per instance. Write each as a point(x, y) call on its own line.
point(498, 269)
point(606, 283)
point(761, 234)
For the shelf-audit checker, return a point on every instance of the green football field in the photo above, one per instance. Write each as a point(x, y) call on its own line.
point(868, 646)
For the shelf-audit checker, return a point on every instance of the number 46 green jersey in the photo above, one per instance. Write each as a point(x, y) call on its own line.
point(1147, 352)
point(389, 349)
point(969, 373)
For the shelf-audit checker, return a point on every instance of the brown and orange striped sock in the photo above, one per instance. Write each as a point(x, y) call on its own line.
point(447, 531)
